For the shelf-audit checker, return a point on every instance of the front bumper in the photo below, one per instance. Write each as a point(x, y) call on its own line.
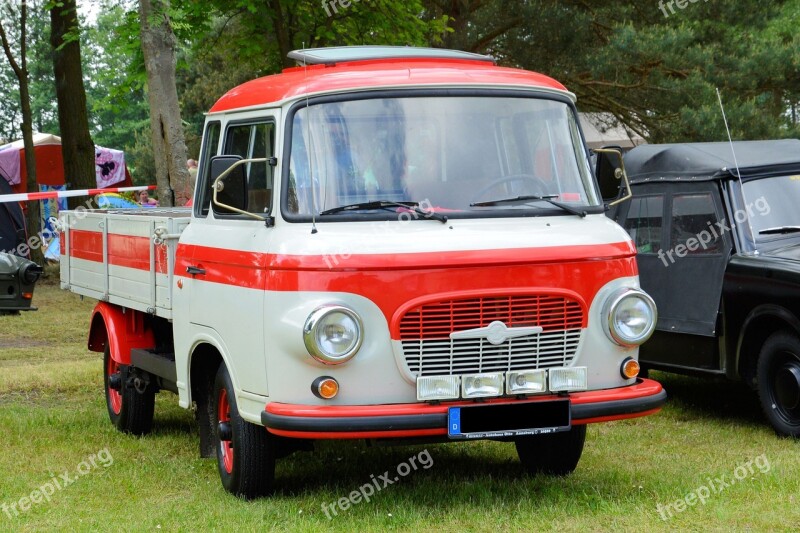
point(427, 420)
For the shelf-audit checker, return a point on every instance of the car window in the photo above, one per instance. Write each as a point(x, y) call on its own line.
point(254, 141)
point(694, 224)
point(211, 142)
point(644, 223)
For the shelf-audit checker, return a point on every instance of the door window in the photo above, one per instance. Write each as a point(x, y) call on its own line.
point(644, 223)
point(694, 224)
point(255, 141)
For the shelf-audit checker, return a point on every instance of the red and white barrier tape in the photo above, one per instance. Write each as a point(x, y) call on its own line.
point(30, 196)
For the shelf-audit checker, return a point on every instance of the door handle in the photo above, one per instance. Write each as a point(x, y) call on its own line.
point(196, 271)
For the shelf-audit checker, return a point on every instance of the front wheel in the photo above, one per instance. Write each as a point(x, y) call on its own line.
point(779, 383)
point(245, 451)
point(129, 410)
point(553, 454)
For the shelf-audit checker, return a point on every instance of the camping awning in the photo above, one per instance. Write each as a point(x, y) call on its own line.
point(110, 168)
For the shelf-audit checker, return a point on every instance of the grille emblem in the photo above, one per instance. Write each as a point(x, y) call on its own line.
point(496, 333)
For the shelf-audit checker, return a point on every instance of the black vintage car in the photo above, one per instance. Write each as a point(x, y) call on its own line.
point(17, 275)
point(718, 237)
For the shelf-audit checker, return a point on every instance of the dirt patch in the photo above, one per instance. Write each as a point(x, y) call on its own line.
point(21, 343)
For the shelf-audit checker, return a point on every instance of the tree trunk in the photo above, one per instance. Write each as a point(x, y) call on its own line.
point(32, 221)
point(73, 119)
point(169, 147)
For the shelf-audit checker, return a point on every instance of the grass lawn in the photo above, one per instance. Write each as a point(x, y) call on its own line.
point(53, 420)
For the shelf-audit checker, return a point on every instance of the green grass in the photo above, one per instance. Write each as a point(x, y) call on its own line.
point(53, 416)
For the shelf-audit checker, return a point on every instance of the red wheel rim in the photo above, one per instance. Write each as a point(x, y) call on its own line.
point(114, 396)
point(226, 446)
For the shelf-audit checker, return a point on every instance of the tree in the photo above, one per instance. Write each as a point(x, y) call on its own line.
point(20, 69)
point(169, 148)
point(76, 142)
point(654, 70)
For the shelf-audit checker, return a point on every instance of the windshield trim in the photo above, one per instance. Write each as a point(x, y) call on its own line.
point(500, 212)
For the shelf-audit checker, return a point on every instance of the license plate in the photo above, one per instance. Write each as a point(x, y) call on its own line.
point(493, 421)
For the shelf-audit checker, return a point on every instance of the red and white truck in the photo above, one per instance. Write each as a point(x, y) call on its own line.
point(385, 243)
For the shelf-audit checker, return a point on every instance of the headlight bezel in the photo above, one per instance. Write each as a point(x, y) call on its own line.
point(310, 330)
point(612, 307)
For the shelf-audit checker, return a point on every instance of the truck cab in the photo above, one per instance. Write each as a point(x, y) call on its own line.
point(717, 232)
point(385, 243)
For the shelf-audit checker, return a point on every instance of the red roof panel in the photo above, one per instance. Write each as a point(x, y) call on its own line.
point(297, 81)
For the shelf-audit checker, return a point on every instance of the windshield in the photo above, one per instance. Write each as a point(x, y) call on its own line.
point(772, 206)
point(445, 153)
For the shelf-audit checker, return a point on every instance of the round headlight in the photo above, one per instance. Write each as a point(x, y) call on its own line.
point(631, 317)
point(332, 334)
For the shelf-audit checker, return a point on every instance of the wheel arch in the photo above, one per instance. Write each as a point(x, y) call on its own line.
point(121, 328)
point(760, 324)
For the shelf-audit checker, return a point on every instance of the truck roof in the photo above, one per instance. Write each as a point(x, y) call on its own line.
point(361, 67)
point(713, 160)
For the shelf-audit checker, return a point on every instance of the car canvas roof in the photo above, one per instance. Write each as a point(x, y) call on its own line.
point(707, 161)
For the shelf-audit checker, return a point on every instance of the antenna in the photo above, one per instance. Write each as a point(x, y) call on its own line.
point(308, 150)
point(736, 162)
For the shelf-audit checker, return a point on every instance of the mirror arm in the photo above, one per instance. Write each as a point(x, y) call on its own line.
point(619, 173)
point(218, 186)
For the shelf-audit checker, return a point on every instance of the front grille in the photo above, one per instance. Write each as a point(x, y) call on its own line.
point(428, 349)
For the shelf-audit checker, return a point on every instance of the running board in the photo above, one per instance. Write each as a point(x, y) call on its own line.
point(161, 365)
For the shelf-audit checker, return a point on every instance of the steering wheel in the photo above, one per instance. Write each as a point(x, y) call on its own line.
point(539, 186)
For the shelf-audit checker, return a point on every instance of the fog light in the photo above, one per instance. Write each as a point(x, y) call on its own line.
point(630, 368)
point(568, 379)
point(438, 388)
point(482, 385)
point(325, 387)
point(526, 382)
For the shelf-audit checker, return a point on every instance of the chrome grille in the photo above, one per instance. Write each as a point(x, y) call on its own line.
point(428, 349)
point(472, 356)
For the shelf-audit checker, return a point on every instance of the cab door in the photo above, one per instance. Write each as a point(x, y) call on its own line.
point(683, 242)
point(227, 265)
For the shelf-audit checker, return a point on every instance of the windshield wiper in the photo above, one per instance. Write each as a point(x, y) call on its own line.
point(779, 230)
point(386, 204)
point(525, 199)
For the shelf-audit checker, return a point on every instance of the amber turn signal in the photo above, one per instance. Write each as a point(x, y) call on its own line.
point(325, 387)
point(630, 368)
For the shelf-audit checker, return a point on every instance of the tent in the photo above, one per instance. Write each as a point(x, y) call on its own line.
point(603, 129)
point(12, 222)
point(110, 168)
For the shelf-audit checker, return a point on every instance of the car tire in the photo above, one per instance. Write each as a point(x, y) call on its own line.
point(778, 378)
point(245, 451)
point(553, 454)
point(129, 410)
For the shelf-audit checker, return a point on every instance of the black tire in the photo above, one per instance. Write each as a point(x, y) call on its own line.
point(246, 454)
point(552, 454)
point(779, 383)
point(129, 411)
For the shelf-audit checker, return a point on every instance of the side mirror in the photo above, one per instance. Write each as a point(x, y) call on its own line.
point(228, 184)
point(610, 170)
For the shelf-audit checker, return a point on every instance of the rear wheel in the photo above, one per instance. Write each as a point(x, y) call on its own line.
point(553, 454)
point(245, 451)
point(130, 411)
point(779, 383)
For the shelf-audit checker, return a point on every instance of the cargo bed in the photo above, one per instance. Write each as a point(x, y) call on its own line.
point(124, 257)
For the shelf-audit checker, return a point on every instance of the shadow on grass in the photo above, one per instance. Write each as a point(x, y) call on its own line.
point(712, 397)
